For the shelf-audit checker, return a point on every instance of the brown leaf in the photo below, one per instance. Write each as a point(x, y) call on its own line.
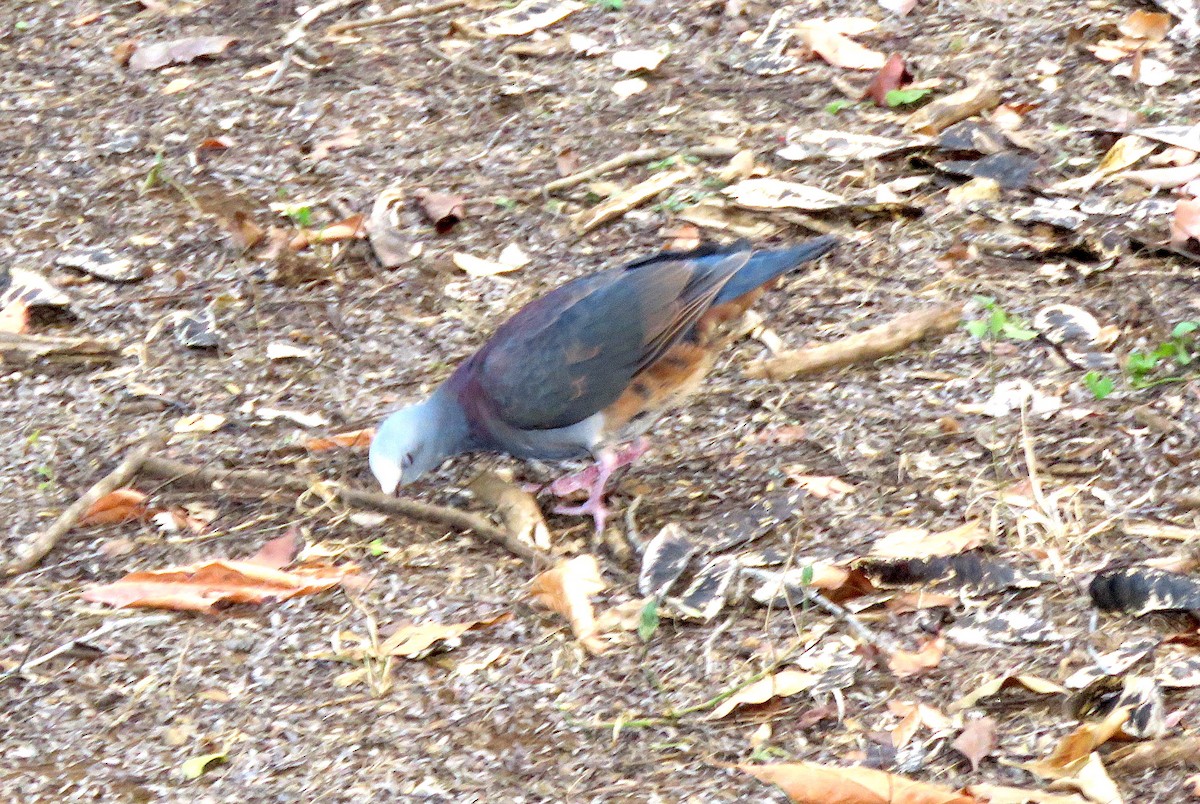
point(976, 741)
point(566, 161)
point(516, 507)
point(892, 75)
point(358, 439)
point(1149, 25)
point(178, 51)
point(684, 237)
point(345, 139)
point(990, 687)
point(1078, 745)
point(821, 486)
point(1000, 794)
point(207, 584)
point(824, 38)
point(121, 505)
point(567, 589)
point(1185, 223)
point(919, 601)
point(444, 210)
point(945, 112)
point(352, 228)
point(905, 663)
point(811, 783)
point(778, 685)
point(420, 639)
point(279, 552)
point(123, 52)
point(622, 202)
point(243, 231)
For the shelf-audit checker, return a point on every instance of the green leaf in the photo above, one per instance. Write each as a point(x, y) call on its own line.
point(377, 547)
point(977, 328)
point(836, 106)
point(662, 164)
point(648, 621)
point(987, 302)
point(1184, 328)
point(1098, 384)
point(300, 215)
point(1016, 332)
point(904, 97)
point(505, 203)
point(195, 767)
point(806, 575)
point(1164, 351)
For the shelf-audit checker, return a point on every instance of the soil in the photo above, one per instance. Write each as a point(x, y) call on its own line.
point(97, 155)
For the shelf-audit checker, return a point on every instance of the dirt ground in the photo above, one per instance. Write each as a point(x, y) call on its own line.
point(519, 712)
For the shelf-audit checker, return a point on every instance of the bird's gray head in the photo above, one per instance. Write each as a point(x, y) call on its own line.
point(416, 440)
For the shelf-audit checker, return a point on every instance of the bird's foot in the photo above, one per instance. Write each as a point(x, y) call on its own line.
point(594, 506)
point(586, 479)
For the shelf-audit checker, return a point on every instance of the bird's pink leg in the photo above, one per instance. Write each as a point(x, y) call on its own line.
point(594, 479)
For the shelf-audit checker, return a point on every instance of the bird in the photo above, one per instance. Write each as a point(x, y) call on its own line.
point(586, 369)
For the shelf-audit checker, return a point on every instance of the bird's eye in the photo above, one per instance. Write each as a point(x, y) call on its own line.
point(407, 461)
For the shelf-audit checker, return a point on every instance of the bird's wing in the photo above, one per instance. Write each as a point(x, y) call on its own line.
point(573, 352)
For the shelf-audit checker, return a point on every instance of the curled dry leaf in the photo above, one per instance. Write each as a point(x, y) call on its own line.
point(443, 210)
point(811, 783)
point(179, 51)
point(905, 663)
point(822, 486)
point(892, 75)
point(992, 686)
point(767, 194)
point(942, 113)
point(567, 589)
point(976, 741)
point(383, 229)
point(777, 685)
point(921, 543)
point(356, 439)
point(352, 228)
point(1078, 745)
point(14, 317)
point(1149, 25)
point(828, 39)
point(516, 507)
point(623, 202)
point(121, 505)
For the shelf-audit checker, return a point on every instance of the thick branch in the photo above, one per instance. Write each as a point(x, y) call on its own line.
point(178, 471)
point(871, 344)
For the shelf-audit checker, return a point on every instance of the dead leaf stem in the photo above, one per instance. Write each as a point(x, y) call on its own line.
point(636, 158)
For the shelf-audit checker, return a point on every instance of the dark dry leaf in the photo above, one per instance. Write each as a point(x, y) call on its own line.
point(705, 598)
point(444, 210)
point(104, 264)
point(892, 75)
point(972, 137)
point(737, 526)
point(665, 559)
point(197, 330)
point(1010, 170)
point(179, 51)
point(1138, 591)
point(974, 568)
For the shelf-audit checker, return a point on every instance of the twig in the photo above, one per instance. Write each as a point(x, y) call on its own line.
point(636, 158)
point(296, 32)
point(871, 344)
point(42, 543)
point(411, 12)
point(178, 471)
point(107, 628)
point(864, 634)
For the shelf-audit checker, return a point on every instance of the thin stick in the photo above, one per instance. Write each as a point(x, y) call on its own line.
point(635, 158)
point(107, 628)
point(178, 471)
point(411, 12)
point(871, 344)
point(296, 32)
point(40, 545)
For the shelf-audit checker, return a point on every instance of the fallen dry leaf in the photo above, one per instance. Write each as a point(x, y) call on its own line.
point(1166, 178)
point(1185, 223)
point(517, 508)
point(121, 505)
point(942, 113)
point(976, 741)
point(352, 438)
point(1077, 745)
point(352, 228)
point(199, 423)
point(630, 86)
point(14, 317)
point(921, 543)
point(828, 40)
point(443, 210)
point(684, 237)
point(280, 551)
point(768, 193)
point(413, 641)
point(898, 7)
point(776, 685)
point(383, 229)
point(1149, 25)
point(566, 589)
point(343, 140)
point(822, 487)
point(179, 51)
point(633, 60)
point(811, 783)
point(478, 267)
point(622, 202)
point(1146, 71)
point(892, 75)
point(529, 16)
point(1000, 794)
point(205, 585)
point(1088, 776)
point(905, 663)
point(990, 687)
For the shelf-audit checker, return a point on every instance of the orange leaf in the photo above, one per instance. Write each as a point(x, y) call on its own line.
point(352, 438)
point(1185, 224)
point(1149, 25)
point(810, 783)
point(121, 505)
point(279, 552)
point(905, 663)
point(840, 51)
point(567, 589)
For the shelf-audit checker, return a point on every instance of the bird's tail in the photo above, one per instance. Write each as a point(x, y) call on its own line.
point(763, 266)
